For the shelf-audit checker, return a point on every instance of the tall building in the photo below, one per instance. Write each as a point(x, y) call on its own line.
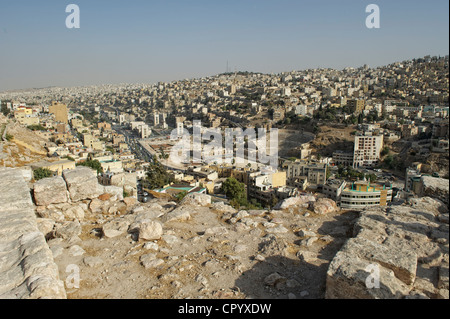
point(367, 150)
point(356, 105)
point(60, 112)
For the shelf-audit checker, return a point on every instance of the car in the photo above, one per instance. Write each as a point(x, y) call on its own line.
point(144, 199)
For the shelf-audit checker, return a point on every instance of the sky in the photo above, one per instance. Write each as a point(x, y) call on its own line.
point(146, 41)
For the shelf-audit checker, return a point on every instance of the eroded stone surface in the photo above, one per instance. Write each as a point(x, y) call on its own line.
point(27, 269)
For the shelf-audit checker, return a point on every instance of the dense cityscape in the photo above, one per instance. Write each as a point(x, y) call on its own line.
point(351, 143)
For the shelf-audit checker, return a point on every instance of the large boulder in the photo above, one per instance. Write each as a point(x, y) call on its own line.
point(324, 206)
point(395, 244)
point(50, 191)
point(196, 199)
point(435, 188)
point(296, 202)
point(68, 230)
point(147, 229)
point(116, 192)
point(429, 204)
point(352, 277)
point(115, 228)
point(82, 184)
point(223, 208)
point(178, 214)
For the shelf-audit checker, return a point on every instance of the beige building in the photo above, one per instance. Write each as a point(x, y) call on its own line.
point(77, 123)
point(316, 173)
point(56, 167)
point(356, 105)
point(25, 119)
point(60, 112)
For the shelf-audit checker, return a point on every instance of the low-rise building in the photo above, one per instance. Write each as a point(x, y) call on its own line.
point(316, 173)
point(56, 167)
point(362, 194)
point(333, 189)
point(343, 158)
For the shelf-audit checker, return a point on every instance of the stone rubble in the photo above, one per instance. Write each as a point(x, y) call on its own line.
point(197, 248)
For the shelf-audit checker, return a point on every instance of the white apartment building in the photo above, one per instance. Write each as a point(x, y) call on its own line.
point(301, 110)
point(367, 150)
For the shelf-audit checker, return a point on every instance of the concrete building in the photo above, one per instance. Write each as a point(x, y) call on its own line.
point(343, 158)
point(333, 189)
point(362, 194)
point(56, 167)
point(356, 105)
point(60, 112)
point(316, 173)
point(367, 150)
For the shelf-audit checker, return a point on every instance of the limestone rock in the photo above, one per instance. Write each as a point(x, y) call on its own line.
point(45, 226)
point(104, 197)
point(92, 261)
point(147, 229)
point(116, 192)
point(150, 261)
point(402, 262)
point(436, 188)
point(295, 202)
point(223, 208)
point(274, 279)
point(306, 233)
point(429, 204)
point(196, 199)
point(350, 277)
point(50, 191)
point(324, 206)
point(115, 228)
point(74, 213)
point(178, 214)
point(130, 201)
point(82, 184)
point(76, 250)
point(68, 230)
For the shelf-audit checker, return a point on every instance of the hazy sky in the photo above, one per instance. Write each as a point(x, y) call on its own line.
point(145, 41)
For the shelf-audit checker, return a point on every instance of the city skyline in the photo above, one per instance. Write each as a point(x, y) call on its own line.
point(147, 43)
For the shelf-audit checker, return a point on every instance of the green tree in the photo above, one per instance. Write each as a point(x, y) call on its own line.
point(273, 201)
point(157, 176)
point(40, 173)
point(179, 197)
point(94, 164)
point(389, 161)
point(5, 110)
point(235, 191)
point(37, 127)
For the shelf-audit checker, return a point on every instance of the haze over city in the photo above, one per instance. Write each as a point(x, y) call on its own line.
point(151, 41)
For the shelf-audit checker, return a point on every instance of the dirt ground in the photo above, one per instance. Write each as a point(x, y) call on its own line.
point(209, 257)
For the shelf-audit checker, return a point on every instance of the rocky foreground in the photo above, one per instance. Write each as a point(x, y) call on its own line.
point(305, 248)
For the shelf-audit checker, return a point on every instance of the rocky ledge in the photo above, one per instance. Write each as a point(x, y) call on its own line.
point(27, 268)
point(396, 252)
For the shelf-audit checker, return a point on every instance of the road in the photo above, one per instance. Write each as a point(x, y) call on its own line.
point(133, 143)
